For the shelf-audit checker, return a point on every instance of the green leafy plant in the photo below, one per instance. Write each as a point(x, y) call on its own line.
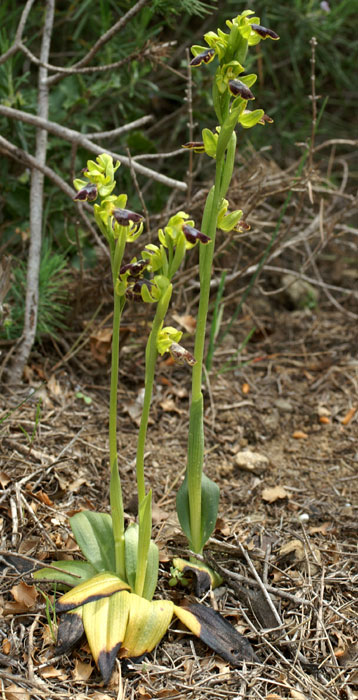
point(53, 282)
point(198, 496)
point(111, 591)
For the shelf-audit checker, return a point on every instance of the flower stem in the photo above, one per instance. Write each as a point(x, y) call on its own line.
point(224, 168)
point(150, 361)
point(116, 499)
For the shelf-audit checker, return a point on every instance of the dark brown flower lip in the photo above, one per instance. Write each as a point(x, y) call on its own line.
point(125, 216)
point(267, 118)
point(181, 355)
point(264, 32)
point(134, 292)
point(194, 145)
point(87, 194)
point(135, 268)
point(237, 87)
point(193, 235)
point(242, 226)
point(203, 57)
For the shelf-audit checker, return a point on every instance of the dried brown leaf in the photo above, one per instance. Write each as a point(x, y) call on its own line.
point(15, 692)
point(53, 672)
point(4, 479)
point(82, 670)
point(168, 405)
point(24, 594)
point(187, 322)
point(6, 646)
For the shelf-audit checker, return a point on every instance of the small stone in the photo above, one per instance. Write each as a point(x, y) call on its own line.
point(251, 461)
point(284, 405)
point(304, 517)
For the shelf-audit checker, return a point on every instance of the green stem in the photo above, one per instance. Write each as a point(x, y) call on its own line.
point(150, 362)
point(223, 174)
point(116, 499)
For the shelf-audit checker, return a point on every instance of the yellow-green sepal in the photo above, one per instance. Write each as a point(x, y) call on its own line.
point(250, 118)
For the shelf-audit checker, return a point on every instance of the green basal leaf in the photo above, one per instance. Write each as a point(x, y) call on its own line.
point(131, 537)
point(151, 576)
point(210, 494)
point(183, 509)
point(131, 551)
point(144, 533)
point(94, 536)
point(72, 572)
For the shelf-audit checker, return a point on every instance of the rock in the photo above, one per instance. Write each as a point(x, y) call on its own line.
point(284, 405)
point(300, 293)
point(251, 461)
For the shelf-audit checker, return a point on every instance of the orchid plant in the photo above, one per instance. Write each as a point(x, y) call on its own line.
point(198, 497)
point(111, 590)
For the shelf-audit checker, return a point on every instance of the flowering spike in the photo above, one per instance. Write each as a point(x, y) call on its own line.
point(238, 88)
point(203, 57)
point(88, 193)
point(263, 32)
point(193, 235)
